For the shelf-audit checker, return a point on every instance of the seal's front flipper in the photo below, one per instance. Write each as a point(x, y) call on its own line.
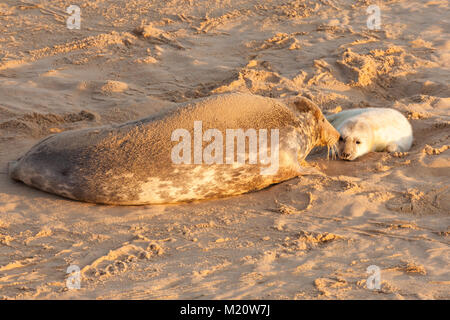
point(392, 147)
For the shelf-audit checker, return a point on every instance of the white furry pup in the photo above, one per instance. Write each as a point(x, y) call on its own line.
point(371, 129)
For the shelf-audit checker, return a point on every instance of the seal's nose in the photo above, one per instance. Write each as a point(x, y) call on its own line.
point(345, 155)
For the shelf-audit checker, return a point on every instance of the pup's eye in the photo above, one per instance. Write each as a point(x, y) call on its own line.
point(341, 139)
point(358, 142)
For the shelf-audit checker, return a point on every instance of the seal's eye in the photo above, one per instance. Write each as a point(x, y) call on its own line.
point(341, 139)
point(358, 142)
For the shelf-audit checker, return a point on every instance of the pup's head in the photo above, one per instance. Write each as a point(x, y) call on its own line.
point(326, 134)
point(355, 140)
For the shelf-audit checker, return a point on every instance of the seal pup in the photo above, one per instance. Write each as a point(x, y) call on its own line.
point(371, 129)
point(133, 163)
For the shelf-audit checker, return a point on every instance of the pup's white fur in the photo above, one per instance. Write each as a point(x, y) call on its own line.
point(371, 129)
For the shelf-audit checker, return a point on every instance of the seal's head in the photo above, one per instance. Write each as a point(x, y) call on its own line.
point(355, 140)
point(324, 133)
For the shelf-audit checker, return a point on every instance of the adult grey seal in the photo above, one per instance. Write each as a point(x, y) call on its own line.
point(152, 161)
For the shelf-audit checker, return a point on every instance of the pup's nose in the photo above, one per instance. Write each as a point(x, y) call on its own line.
point(345, 155)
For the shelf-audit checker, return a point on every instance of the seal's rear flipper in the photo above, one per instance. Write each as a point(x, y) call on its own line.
point(305, 169)
point(13, 170)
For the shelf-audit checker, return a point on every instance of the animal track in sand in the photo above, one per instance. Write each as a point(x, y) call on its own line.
point(303, 202)
point(119, 260)
point(420, 202)
point(309, 240)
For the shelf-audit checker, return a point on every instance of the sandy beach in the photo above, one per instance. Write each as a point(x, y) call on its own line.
point(312, 237)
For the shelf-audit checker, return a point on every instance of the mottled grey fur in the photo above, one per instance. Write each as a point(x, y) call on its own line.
point(114, 164)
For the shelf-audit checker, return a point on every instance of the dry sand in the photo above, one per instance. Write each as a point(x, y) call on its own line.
point(312, 237)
